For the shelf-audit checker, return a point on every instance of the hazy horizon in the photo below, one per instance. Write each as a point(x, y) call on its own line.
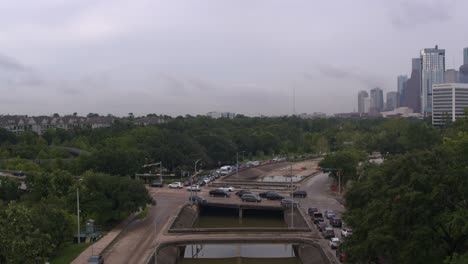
point(193, 57)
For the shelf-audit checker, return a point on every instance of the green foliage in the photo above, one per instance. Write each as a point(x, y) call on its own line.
point(68, 252)
point(346, 161)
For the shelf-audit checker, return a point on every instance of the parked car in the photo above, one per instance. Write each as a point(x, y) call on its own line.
point(329, 214)
point(321, 226)
point(157, 184)
point(274, 196)
point(95, 260)
point(228, 188)
point(340, 254)
point(312, 210)
point(336, 222)
point(328, 232)
point(250, 197)
point(186, 183)
point(334, 242)
point(194, 188)
point(242, 192)
point(317, 217)
point(286, 202)
point(219, 192)
point(301, 194)
point(263, 194)
point(197, 199)
point(176, 185)
point(18, 173)
point(346, 232)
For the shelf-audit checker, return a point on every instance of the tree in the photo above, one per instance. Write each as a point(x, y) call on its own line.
point(21, 239)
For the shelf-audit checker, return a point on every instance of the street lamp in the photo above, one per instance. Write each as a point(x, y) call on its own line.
point(191, 181)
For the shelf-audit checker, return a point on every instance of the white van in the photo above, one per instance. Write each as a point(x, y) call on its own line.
point(225, 170)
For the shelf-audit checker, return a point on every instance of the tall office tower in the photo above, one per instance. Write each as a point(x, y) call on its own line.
point(367, 103)
point(412, 91)
point(465, 55)
point(377, 103)
point(401, 81)
point(449, 102)
point(361, 96)
point(451, 76)
point(392, 101)
point(432, 72)
point(463, 73)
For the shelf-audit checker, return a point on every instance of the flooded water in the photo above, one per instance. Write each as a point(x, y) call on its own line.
point(228, 217)
point(240, 253)
point(280, 178)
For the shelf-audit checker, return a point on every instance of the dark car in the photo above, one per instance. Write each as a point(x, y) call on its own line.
point(197, 199)
point(242, 192)
point(250, 197)
point(301, 194)
point(317, 217)
point(273, 196)
point(321, 226)
point(219, 192)
point(312, 210)
point(336, 222)
point(95, 260)
point(18, 173)
point(157, 184)
point(328, 232)
point(264, 194)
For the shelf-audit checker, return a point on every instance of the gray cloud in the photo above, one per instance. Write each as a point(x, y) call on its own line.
point(347, 74)
point(10, 64)
point(420, 12)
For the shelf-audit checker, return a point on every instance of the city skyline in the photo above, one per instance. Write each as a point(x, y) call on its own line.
point(185, 58)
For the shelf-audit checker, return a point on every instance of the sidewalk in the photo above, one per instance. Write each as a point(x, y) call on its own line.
point(98, 247)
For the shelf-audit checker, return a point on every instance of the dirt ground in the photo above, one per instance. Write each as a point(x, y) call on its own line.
point(302, 168)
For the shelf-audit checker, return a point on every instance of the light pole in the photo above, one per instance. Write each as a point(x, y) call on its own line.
point(78, 212)
point(191, 181)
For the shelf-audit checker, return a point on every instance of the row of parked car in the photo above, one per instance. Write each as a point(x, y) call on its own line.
point(327, 229)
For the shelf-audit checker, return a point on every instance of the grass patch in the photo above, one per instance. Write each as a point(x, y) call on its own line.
point(69, 252)
point(143, 213)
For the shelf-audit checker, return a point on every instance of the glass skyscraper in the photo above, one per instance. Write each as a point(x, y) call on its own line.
point(465, 55)
point(432, 72)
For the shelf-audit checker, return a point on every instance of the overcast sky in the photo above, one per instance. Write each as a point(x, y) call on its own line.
point(190, 57)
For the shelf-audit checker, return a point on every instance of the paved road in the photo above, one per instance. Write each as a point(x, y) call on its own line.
point(138, 241)
point(319, 196)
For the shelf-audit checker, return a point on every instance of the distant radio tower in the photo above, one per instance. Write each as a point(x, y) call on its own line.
point(294, 100)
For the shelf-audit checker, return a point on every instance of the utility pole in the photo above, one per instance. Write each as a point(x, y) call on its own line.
point(78, 212)
point(160, 172)
point(339, 182)
point(237, 166)
point(191, 181)
point(292, 192)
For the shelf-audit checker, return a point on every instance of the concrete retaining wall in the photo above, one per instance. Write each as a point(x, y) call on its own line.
point(186, 217)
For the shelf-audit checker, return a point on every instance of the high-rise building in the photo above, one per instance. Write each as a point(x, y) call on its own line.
point(465, 55)
point(401, 81)
point(411, 93)
point(451, 76)
point(361, 96)
point(463, 73)
point(392, 101)
point(449, 101)
point(376, 100)
point(367, 104)
point(432, 72)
